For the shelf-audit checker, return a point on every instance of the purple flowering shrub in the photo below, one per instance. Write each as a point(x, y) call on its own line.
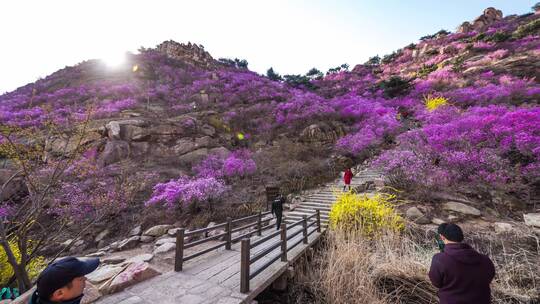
point(186, 190)
point(239, 163)
point(209, 182)
point(492, 146)
point(87, 189)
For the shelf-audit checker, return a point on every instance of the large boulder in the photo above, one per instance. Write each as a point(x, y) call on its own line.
point(16, 185)
point(461, 208)
point(414, 214)
point(164, 248)
point(135, 231)
point(104, 273)
point(193, 156)
point(115, 151)
point(103, 234)
point(130, 129)
point(157, 231)
point(321, 133)
point(61, 145)
point(129, 243)
point(134, 273)
point(165, 240)
point(482, 22)
point(532, 219)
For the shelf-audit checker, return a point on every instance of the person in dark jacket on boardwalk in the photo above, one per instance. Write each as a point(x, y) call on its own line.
point(347, 177)
point(461, 274)
point(63, 281)
point(277, 209)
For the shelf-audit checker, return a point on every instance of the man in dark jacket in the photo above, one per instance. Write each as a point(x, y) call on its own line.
point(63, 281)
point(461, 273)
point(277, 209)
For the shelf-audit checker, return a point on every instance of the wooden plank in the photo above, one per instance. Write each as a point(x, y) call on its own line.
point(196, 266)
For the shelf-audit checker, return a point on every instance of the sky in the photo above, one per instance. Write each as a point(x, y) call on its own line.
point(40, 37)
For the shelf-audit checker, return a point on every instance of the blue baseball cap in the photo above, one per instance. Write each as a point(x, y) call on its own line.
point(59, 273)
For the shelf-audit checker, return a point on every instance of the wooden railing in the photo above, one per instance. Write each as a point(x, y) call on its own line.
point(228, 240)
point(246, 259)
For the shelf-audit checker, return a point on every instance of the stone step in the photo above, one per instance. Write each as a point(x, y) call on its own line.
point(315, 206)
point(312, 210)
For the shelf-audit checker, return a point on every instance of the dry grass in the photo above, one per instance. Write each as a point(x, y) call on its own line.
point(393, 269)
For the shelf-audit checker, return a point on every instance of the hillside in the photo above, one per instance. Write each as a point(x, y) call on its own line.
point(176, 136)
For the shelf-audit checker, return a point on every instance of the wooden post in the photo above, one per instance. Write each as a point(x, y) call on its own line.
point(259, 225)
point(304, 228)
point(179, 257)
point(283, 243)
point(228, 236)
point(244, 265)
point(318, 221)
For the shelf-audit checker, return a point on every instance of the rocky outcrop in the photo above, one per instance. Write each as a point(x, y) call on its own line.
point(321, 133)
point(461, 208)
point(482, 22)
point(115, 151)
point(414, 214)
point(157, 231)
point(189, 53)
point(532, 219)
point(135, 273)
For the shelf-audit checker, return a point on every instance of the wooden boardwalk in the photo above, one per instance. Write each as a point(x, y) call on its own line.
point(232, 268)
point(215, 277)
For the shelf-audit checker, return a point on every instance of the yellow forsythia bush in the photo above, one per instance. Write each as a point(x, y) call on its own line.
point(6, 271)
point(369, 216)
point(434, 102)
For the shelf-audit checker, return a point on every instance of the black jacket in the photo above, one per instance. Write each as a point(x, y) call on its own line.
point(277, 205)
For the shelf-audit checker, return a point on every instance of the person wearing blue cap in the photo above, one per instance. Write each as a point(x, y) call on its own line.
point(63, 281)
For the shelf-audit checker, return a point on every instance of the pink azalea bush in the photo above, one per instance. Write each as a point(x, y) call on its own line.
point(186, 190)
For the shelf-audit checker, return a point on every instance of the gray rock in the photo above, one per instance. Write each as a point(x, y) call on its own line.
point(414, 214)
point(129, 243)
point(184, 146)
point(115, 150)
point(501, 227)
point(146, 239)
point(112, 260)
point(532, 219)
point(164, 248)
point(96, 254)
point(158, 230)
point(172, 232)
point(165, 240)
point(437, 221)
point(113, 129)
point(140, 258)
point(104, 273)
point(101, 235)
point(221, 151)
point(194, 156)
point(135, 231)
point(461, 208)
point(208, 130)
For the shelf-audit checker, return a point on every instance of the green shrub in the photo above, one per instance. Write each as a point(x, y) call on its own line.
point(530, 28)
point(426, 70)
point(395, 86)
point(498, 37)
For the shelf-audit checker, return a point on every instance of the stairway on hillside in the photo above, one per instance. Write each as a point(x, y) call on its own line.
point(325, 197)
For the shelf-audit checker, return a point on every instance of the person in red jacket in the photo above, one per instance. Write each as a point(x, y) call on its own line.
point(347, 177)
point(461, 274)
